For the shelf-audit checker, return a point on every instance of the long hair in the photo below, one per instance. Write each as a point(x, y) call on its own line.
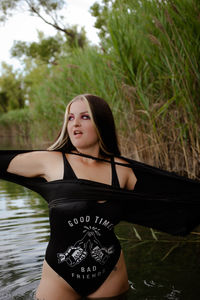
point(102, 118)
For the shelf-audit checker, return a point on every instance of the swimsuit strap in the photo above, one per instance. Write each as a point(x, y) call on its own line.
point(68, 171)
point(115, 180)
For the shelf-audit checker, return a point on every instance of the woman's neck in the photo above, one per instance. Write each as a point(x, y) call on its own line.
point(89, 152)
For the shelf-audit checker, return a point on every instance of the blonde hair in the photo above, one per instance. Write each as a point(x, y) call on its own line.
point(63, 136)
point(95, 105)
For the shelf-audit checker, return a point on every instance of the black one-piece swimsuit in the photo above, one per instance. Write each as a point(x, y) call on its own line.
point(83, 248)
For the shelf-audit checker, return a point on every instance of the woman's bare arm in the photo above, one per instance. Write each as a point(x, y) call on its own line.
point(30, 164)
point(46, 164)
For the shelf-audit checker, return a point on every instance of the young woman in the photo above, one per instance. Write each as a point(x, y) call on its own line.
point(90, 188)
point(93, 268)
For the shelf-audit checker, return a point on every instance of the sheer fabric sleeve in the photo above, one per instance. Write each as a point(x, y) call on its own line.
point(165, 201)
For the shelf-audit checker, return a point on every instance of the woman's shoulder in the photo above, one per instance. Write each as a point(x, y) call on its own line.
point(40, 153)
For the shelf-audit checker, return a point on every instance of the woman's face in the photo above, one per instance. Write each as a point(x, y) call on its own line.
point(81, 130)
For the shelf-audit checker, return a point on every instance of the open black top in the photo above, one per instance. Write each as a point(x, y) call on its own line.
point(161, 200)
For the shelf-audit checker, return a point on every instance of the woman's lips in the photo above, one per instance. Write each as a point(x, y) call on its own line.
point(77, 133)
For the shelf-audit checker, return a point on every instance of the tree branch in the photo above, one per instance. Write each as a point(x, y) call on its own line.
point(55, 24)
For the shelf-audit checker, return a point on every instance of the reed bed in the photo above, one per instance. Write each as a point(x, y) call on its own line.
point(155, 45)
point(148, 71)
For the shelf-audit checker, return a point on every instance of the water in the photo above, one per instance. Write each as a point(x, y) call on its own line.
point(24, 232)
point(167, 268)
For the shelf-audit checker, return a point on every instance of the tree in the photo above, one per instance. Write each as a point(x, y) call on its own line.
point(100, 12)
point(11, 90)
point(48, 49)
point(47, 10)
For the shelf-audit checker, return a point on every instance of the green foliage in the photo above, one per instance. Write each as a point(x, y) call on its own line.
point(16, 117)
point(148, 71)
point(149, 45)
point(76, 38)
point(11, 90)
point(18, 123)
point(34, 6)
point(100, 12)
point(3, 102)
point(46, 50)
point(5, 7)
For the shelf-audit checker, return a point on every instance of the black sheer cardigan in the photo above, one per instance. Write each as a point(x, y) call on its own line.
point(161, 200)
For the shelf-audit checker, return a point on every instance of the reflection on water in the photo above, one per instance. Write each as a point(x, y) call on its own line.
point(159, 266)
point(24, 234)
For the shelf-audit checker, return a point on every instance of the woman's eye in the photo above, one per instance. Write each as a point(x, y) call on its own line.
point(85, 117)
point(70, 118)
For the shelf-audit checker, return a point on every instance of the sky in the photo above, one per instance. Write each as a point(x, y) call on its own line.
point(23, 27)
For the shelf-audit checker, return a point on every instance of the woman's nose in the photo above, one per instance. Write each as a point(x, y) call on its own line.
point(76, 122)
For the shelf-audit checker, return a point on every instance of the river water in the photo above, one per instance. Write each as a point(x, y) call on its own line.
point(159, 266)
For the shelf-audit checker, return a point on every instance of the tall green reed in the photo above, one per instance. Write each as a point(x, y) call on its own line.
point(156, 46)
